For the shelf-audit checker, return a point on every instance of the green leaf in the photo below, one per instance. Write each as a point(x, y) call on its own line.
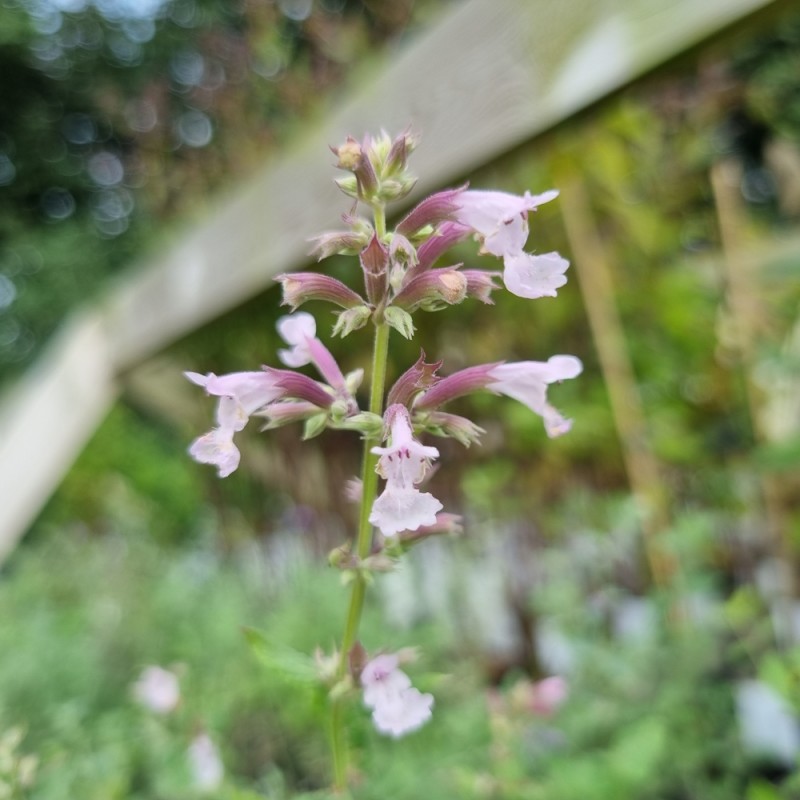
point(283, 662)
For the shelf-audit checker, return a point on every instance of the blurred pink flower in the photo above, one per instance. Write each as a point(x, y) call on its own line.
point(397, 707)
point(157, 689)
point(548, 695)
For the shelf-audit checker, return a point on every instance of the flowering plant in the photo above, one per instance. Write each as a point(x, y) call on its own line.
point(401, 278)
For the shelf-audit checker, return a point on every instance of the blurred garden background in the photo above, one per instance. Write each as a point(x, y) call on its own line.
point(648, 559)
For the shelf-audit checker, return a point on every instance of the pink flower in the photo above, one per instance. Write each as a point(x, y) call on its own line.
point(158, 690)
point(548, 695)
point(397, 707)
point(527, 382)
point(403, 464)
point(299, 330)
point(501, 222)
point(240, 395)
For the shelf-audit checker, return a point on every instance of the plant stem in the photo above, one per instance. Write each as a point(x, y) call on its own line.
point(369, 489)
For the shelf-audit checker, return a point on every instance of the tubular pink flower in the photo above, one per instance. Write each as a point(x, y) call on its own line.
point(252, 390)
point(481, 284)
point(445, 236)
point(299, 387)
point(527, 382)
point(458, 384)
point(300, 331)
point(403, 464)
point(397, 707)
point(416, 378)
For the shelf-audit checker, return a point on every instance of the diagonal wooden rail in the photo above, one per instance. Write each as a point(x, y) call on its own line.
point(488, 76)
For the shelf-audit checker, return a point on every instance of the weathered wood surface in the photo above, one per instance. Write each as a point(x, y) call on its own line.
point(488, 76)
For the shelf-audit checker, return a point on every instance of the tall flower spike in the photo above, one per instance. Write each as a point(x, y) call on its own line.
point(403, 464)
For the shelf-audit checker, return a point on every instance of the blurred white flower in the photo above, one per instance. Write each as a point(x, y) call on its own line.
point(205, 763)
point(158, 690)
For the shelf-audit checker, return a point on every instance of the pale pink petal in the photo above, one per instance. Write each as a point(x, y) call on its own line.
point(527, 381)
point(216, 447)
point(531, 276)
point(399, 510)
point(403, 713)
point(296, 328)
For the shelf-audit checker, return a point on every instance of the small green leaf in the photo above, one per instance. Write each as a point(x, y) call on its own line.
point(314, 426)
point(283, 662)
point(400, 320)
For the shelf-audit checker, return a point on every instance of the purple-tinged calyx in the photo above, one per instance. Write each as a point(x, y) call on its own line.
point(375, 264)
point(299, 287)
point(432, 290)
point(285, 412)
point(417, 378)
point(432, 210)
point(347, 243)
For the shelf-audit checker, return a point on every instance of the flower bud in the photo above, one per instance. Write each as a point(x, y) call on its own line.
point(433, 290)
point(285, 412)
point(346, 243)
point(314, 426)
point(481, 284)
point(453, 426)
point(349, 154)
point(351, 320)
point(299, 287)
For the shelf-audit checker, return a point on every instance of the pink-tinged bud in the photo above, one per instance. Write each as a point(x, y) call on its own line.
point(432, 290)
point(286, 412)
point(397, 158)
point(415, 379)
point(349, 154)
point(375, 263)
point(445, 236)
point(299, 287)
point(431, 211)
point(346, 243)
point(401, 251)
point(301, 387)
point(456, 385)
point(453, 426)
point(446, 523)
point(481, 284)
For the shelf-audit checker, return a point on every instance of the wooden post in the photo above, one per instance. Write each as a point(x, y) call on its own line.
point(597, 288)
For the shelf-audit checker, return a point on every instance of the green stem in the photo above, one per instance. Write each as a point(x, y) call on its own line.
point(369, 490)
